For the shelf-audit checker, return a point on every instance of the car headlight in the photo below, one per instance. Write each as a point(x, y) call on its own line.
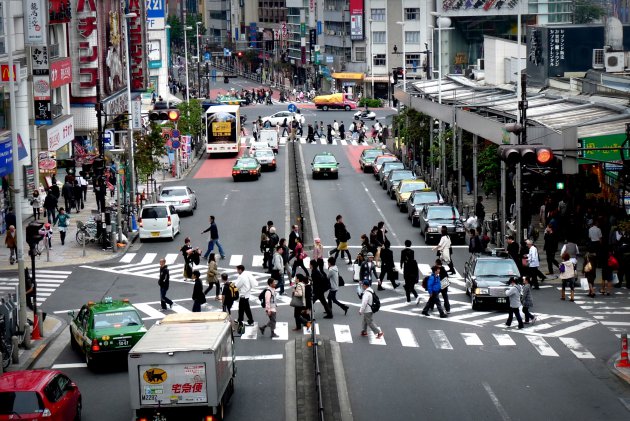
point(316, 169)
point(481, 291)
point(333, 169)
point(432, 229)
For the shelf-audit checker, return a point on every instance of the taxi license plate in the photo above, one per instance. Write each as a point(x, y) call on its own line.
point(123, 342)
point(244, 171)
point(155, 234)
point(501, 300)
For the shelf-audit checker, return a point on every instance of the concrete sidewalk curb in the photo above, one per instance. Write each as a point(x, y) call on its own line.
point(290, 387)
point(340, 377)
point(622, 373)
point(28, 357)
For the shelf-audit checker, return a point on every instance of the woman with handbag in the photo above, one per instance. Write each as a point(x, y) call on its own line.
point(212, 276)
point(299, 304)
point(300, 255)
point(318, 253)
point(590, 272)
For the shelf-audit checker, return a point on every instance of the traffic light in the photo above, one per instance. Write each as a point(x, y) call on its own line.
point(239, 54)
point(526, 154)
point(170, 114)
point(33, 235)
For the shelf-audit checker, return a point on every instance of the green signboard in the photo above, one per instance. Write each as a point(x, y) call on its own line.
point(587, 156)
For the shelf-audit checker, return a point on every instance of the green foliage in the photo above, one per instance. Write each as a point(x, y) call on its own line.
point(190, 118)
point(587, 11)
point(370, 102)
point(177, 29)
point(489, 167)
point(149, 148)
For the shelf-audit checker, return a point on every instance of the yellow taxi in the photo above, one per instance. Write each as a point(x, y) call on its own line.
point(404, 190)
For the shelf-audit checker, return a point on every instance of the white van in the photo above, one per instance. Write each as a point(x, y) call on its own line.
point(270, 137)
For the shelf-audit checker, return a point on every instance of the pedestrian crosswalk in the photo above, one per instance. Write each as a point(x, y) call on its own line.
point(48, 281)
point(612, 311)
point(392, 300)
point(246, 141)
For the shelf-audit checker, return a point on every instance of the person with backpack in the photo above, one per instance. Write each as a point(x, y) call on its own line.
point(272, 243)
point(298, 302)
point(197, 295)
point(229, 293)
point(163, 283)
point(270, 308)
point(212, 276)
point(334, 281)
point(433, 288)
point(320, 286)
point(444, 284)
point(368, 269)
point(368, 299)
point(387, 268)
point(245, 283)
point(514, 295)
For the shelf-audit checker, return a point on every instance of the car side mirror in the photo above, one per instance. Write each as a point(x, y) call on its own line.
point(71, 386)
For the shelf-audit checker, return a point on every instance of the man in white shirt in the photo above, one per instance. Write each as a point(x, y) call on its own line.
point(270, 308)
point(533, 263)
point(366, 311)
point(245, 282)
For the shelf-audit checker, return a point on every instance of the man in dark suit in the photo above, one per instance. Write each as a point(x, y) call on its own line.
point(295, 234)
point(387, 267)
point(406, 255)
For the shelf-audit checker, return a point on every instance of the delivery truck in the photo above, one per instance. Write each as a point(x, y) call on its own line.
point(270, 137)
point(183, 368)
point(334, 101)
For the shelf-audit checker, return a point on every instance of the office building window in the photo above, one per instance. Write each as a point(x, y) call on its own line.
point(412, 62)
point(359, 54)
point(412, 37)
point(412, 13)
point(378, 15)
point(3, 49)
point(379, 60)
point(379, 37)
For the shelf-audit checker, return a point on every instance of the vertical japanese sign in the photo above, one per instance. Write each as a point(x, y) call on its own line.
point(137, 45)
point(112, 70)
point(82, 32)
point(556, 47)
point(59, 11)
point(41, 85)
point(356, 20)
point(34, 22)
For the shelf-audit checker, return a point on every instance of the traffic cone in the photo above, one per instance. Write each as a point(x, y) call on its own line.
point(35, 336)
point(134, 225)
point(623, 360)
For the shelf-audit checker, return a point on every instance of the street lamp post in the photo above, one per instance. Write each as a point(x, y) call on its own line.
point(198, 60)
point(186, 29)
point(404, 58)
point(371, 58)
point(132, 169)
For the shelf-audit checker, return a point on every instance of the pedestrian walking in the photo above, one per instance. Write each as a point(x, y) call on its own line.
point(433, 288)
point(334, 281)
point(318, 253)
point(480, 211)
point(514, 295)
point(533, 263)
point(164, 283)
point(285, 260)
point(567, 275)
point(270, 308)
point(609, 265)
point(551, 248)
point(84, 187)
point(293, 235)
point(36, 204)
point(78, 196)
point(527, 301)
point(299, 255)
point(284, 127)
point(444, 284)
point(310, 134)
point(277, 268)
point(381, 239)
point(513, 250)
point(474, 244)
point(320, 285)
point(406, 255)
point(590, 272)
point(245, 282)
point(335, 127)
point(367, 299)
point(50, 206)
point(444, 250)
point(342, 131)
point(10, 240)
point(227, 296)
point(47, 235)
point(387, 268)
point(411, 273)
point(368, 269)
point(67, 191)
point(185, 250)
point(61, 221)
point(213, 238)
point(342, 236)
point(197, 296)
point(212, 276)
point(298, 302)
point(272, 242)
point(329, 136)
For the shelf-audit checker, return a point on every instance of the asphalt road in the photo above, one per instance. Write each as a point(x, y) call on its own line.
point(468, 366)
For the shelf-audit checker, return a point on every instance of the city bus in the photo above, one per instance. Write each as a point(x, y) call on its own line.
point(223, 128)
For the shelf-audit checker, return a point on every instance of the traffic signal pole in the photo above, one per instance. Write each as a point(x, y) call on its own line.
point(521, 234)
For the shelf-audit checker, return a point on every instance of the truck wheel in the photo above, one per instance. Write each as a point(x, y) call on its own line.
point(347, 108)
point(325, 107)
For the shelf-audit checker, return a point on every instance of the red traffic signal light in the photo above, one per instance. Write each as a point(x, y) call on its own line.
point(173, 115)
point(526, 154)
point(240, 54)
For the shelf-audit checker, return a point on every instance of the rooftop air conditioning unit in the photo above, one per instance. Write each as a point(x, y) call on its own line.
point(598, 58)
point(614, 61)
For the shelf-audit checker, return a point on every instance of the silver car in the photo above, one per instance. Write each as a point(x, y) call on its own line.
point(386, 168)
point(266, 157)
point(182, 198)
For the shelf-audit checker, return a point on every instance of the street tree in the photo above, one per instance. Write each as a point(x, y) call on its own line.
point(190, 122)
point(149, 148)
point(489, 168)
point(587, 11)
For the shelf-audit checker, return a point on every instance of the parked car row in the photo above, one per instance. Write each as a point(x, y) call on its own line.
point(425, 208)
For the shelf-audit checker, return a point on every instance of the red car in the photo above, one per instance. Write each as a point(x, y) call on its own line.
point(39, 395)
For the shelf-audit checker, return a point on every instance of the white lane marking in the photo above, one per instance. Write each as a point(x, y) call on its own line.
point(535, 328)
point(180, 309)
point(343, 142)
point(251, 332)
point(424, 268)
point(577, 348)
point(491, 319)
point(150, 311)
point(342, 334)
point(378, 209)
point(439, 339)
point(571, 329)
point(148, 258)
point(407, 338)
point(257, 260)
point(334, 142)
point(500, 409)
point(127, 258)
point(54, 272)
point(615, 323)
point(322, 140)
point(503, 339)
point(472, 339)
point(40, 289)
point(282, 330)
point(57, 282)
point(258, 357)
point(307, 330)
point(287, 198)
point(170, 258)
point(309, 198)
point(70, 365)
point(469, 316)
point(373, 340)
point(236, 259)
point(542, 346)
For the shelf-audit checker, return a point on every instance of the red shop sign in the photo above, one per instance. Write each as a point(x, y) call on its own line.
point(60, 72)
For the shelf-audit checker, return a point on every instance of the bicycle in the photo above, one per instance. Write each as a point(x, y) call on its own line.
point(6, 345)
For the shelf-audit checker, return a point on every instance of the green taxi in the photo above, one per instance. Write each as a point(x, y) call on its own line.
point(246, 167)
point(106, 328)
point(325, 165)
point(366, 160)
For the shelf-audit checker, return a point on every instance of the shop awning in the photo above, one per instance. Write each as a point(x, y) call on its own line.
point(348, 76)
point(377, 79)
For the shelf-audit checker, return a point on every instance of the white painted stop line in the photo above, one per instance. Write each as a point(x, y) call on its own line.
point(407, 338)
point(472, 339)
point(440, 340)
point(504, 339)
point(343, 334)
point(542, 346)
point(577, 348)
